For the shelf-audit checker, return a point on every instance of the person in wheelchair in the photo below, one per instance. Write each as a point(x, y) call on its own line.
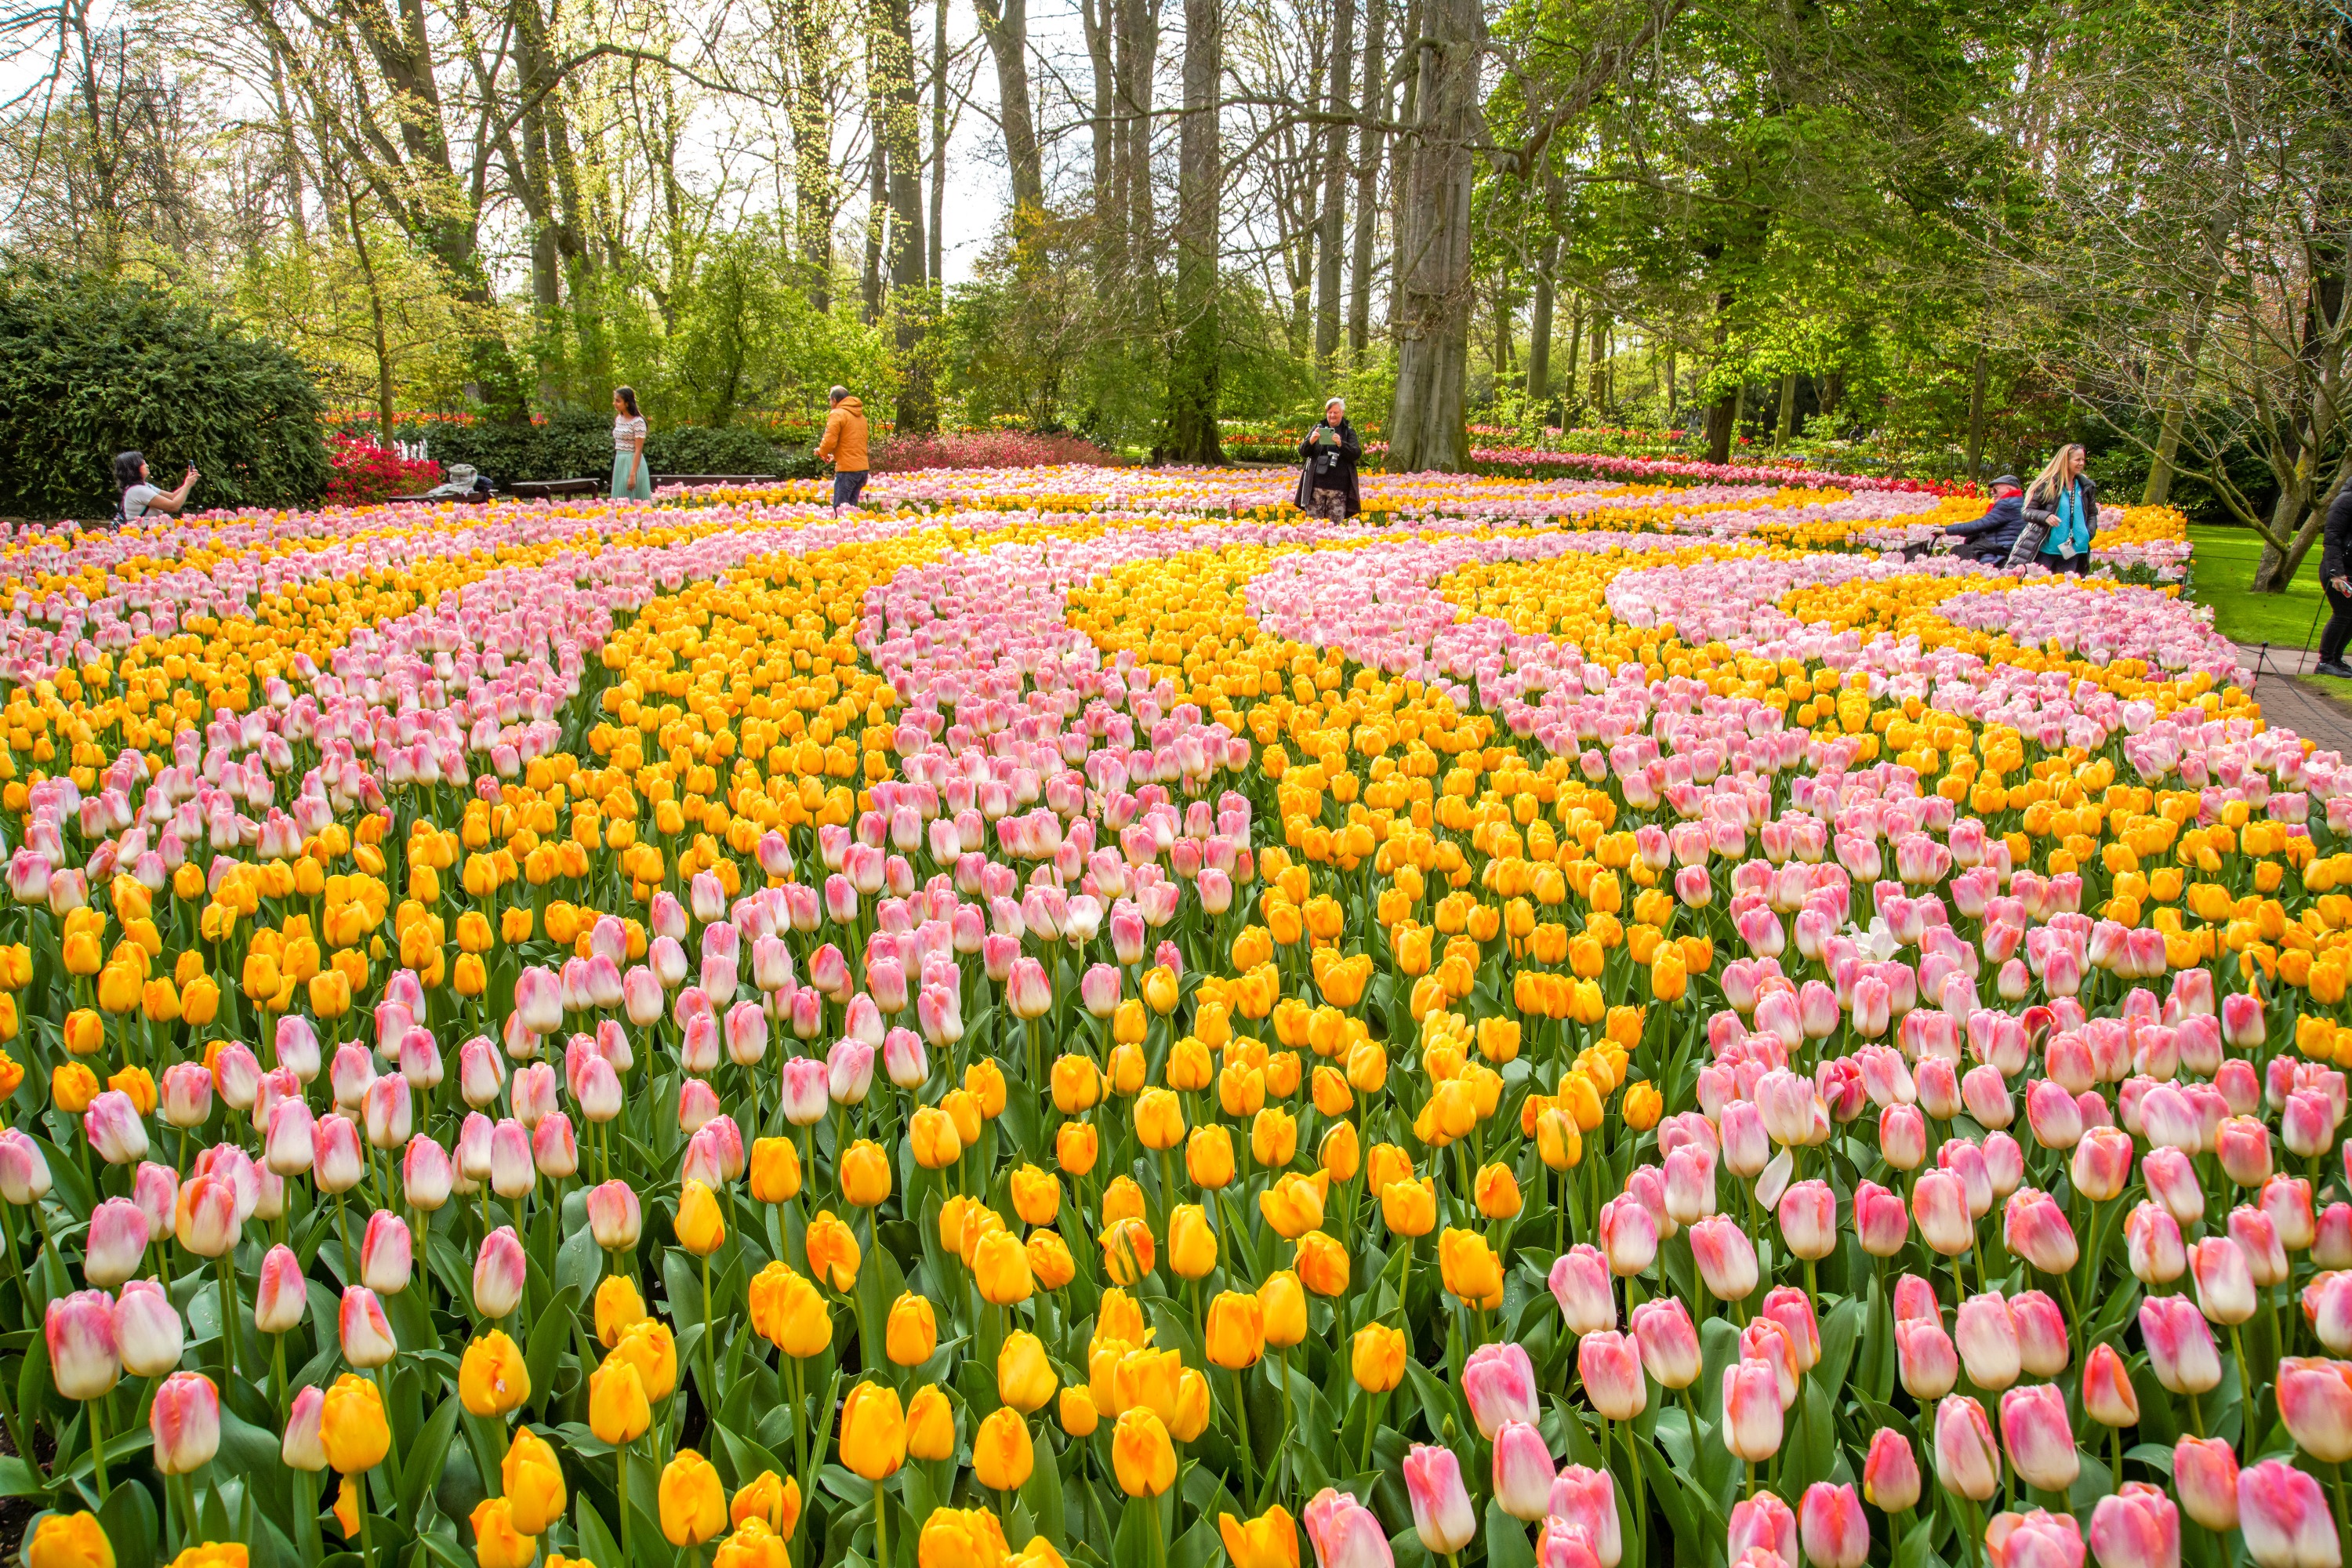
point(1989, 537)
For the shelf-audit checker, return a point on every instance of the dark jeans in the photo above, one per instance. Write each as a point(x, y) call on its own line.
point(2079, 564)
point(846, 488)
point(2332, 641)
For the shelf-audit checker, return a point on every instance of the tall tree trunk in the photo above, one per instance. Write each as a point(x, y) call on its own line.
point(1371, 113)
point(1785, 426)
point(1139, 49)
point(1723, 414)
point(1598, 393)
point(1977, 380)
point(877, 171)
point(938, 137)
point(1006, 25)
point(1095, 18)
point(898, 132)
point(1426, 429)
point(1408, 67)
point(1193, 376)
point(1575, 348)
point(813, 194)
point(1539, 326)
point(1330, 255)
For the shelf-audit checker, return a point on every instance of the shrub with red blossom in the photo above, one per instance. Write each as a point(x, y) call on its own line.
point(983, 449)
point(362, 473)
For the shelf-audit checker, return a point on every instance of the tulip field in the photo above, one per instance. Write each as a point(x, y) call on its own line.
point(1076, 1016)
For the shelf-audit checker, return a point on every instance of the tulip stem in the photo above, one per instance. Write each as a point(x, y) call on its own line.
point(231, 1358)
point(367, 1537)
point(881, 1526)
point(1282, 1362)
point(621, 1462)
point(1249, 1457)
point(1641, 1505)
point(97, 1447)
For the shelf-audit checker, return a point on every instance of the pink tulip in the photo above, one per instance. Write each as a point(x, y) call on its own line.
point(301, 1448)
point(147, 1330)
point(207, 1221)
point(1499, 1382)
point(2180, 1349)
point(2153, 1246)
point(805, 1096)
point(185, 1098)
point(1441, 1515)
point(2242, 1025)
point(2225, 1286)
point(1880, 1219)
point(2034, 1227)
point(2039, 1439)
point(500, 1270)
point(2315, 1400)
point(2257, 1241)
point(1792, 1310)
point(1926, 1358)
point(2205, 1478)
point(365, 1333)
point(2282, 1512)
point(1835, 1534)
point(1628, 1235)
point(281, 1295)
point(615, 1217)
point(2044, 1345)
point(1940, 1205)
point(1587, 1500)
point(2243, 1146)
point(1523, 1471)
point(184, 1421)
point(2102, 1163)
point(2136, 1527)
point(337, 1163)
point(113, 1127)
point(386, 1252)
point(1903, 1136)
point(1763, 1521)
point(1890, 1473)
point(1669, 1341)
point(1808, 1214)
point(2285, 1202)
point(24, 1170)
point(2172, 1181)
point(1751, 1411)
point(2108, 1398)
point(1609, 1364)
point(2327, 1306)
point(2036, 1539)
point(1561, 1544)
point(1967, 1462)
point(1580, 1284)
point(1726, 1258)
point(1987, 1337)
point(117, 1243)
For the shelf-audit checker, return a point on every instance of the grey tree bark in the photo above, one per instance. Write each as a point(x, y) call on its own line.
point(1194, 375)
point(1330, 255)
point(1372, 111)
point(1426, 429)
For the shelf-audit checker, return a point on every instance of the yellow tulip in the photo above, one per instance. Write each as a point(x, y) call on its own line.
point(1001, 1453)
point(774, 1501)
point(1025, 1379)
point(1000, 1266)
point(1471, 1270)
point(701, 1228)
point(864, 1175)
point(693, 1503)
point(351, 1427)
point(960, 1537)
point(873, 1431)
point(1235, 1337)
point(775, 1171)
point(1282, 1309)
point(532, 1478)
point(492, 1378)
point(1192, 1244)
point(913, 1332)
point(1377, 1358)
point(931, 1425)
point(1269, 1540)
point(1142, 1456)
point(618, 1410)
point(70, 1541)
point(499, 1542)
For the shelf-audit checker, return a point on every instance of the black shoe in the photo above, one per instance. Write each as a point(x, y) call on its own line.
point(2334, 667)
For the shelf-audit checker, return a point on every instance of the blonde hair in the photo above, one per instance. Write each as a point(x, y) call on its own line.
point(2054, 473)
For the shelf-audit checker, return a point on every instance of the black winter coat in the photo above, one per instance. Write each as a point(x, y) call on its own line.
point(1990, 536)
point(1342, 474)
point(2335, 549)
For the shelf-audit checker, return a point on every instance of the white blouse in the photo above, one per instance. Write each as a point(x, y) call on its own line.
point(627, 431)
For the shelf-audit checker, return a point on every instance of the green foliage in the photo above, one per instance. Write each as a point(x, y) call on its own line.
point(90, 367)
point(574, 445)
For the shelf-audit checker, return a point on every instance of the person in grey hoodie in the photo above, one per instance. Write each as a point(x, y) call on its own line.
point(2336, 578)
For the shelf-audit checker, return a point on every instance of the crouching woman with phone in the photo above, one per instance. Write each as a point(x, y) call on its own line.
point(138, 497)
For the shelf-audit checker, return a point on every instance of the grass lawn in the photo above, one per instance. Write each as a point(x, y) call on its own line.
point(2222, 562)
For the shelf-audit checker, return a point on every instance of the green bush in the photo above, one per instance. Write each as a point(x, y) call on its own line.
point(579, 446)
point(91, 367)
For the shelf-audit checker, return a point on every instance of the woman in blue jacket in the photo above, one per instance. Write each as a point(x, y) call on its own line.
point(2064, 501)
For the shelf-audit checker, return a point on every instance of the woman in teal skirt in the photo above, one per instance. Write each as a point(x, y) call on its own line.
point(631, 477)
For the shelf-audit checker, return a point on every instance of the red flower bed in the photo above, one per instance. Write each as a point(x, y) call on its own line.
point(981, 449)
point(364, 473)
